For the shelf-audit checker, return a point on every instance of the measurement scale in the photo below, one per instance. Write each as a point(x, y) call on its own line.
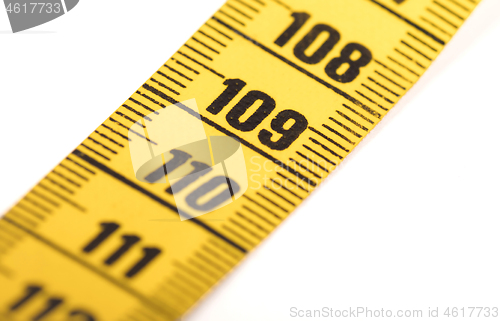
point(298, 83)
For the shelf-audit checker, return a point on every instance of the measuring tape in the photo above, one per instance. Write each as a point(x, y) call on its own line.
point(297, 84)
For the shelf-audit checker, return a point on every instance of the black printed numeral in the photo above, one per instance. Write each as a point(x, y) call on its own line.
point(128, 241)
point(199, 170)
point(333, 67)
point(267, 105)
point(299, 20)
point(345, 58)
point(51, 305)
point(178, 159)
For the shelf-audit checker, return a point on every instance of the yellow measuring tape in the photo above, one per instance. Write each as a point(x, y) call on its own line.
point(298, 84)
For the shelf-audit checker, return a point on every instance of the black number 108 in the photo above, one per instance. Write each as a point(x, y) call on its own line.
point(333, 67)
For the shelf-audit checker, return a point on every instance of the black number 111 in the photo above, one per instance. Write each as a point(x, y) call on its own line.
point(128, 242)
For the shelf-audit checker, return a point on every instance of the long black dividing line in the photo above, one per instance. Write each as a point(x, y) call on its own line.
point(78, 260)
point(409, 22)
point(152, 196)
point(291, 64)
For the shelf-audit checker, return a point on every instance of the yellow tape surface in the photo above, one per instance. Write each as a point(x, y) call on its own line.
point(91, 242)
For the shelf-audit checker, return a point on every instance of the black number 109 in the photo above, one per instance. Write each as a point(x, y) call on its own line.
point(289, 123)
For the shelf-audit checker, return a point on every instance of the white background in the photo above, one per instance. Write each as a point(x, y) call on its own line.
point(422, 230)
